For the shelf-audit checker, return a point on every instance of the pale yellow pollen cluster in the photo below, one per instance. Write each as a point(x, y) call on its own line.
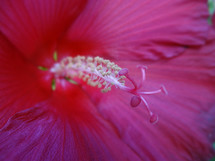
point(96, 71)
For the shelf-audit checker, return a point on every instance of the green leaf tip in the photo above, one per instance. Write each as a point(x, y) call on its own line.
point(42, 68)
point(55, 56)
point(211, 6)
point(213, 159)
point(213, 145)
point(53, 84)
point(71, 81)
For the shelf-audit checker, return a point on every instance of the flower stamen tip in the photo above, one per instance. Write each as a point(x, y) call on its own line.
point(142, 67)
point(154, 119)
point(163, 89)
point(135, 101)
point(123, 71)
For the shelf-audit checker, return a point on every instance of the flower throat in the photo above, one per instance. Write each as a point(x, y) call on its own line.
point(104, 74)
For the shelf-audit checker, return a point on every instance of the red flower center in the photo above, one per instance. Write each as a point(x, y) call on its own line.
point(100, 73)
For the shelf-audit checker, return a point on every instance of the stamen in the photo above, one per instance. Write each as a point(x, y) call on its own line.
point(102, 73)
point(95, 71)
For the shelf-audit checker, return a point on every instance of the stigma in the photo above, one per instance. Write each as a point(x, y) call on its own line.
point(102, 73)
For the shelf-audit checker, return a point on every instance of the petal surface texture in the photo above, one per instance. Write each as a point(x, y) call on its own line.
point(34, 25)
point(139, 29)
point(78, 122)
point(39, 134)
point(185, 130)
point(19, 85)
point(105, 128)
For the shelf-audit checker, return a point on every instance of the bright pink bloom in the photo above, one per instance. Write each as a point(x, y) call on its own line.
point(78, 122)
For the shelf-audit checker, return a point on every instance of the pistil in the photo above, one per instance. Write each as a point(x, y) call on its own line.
point(104, 74)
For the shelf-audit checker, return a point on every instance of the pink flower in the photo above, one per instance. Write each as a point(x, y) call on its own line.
point(46, 115)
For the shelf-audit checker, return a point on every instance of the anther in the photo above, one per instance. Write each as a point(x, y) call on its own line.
point(95, 71)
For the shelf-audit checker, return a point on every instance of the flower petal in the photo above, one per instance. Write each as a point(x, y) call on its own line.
point(213, 20)
point(186, 116)
point(33, 25)
point(40, 134)
point(19, 86)
point(138, 29)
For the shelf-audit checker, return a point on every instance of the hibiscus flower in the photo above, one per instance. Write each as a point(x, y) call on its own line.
point(48, 112)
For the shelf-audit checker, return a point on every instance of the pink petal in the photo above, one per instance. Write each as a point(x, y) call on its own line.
point(19, 86)
point(186, 129)
point(33, 25)
point(40, 134)
point(138, 29)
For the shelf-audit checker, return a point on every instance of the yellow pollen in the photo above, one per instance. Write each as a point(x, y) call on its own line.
point(96, 71)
